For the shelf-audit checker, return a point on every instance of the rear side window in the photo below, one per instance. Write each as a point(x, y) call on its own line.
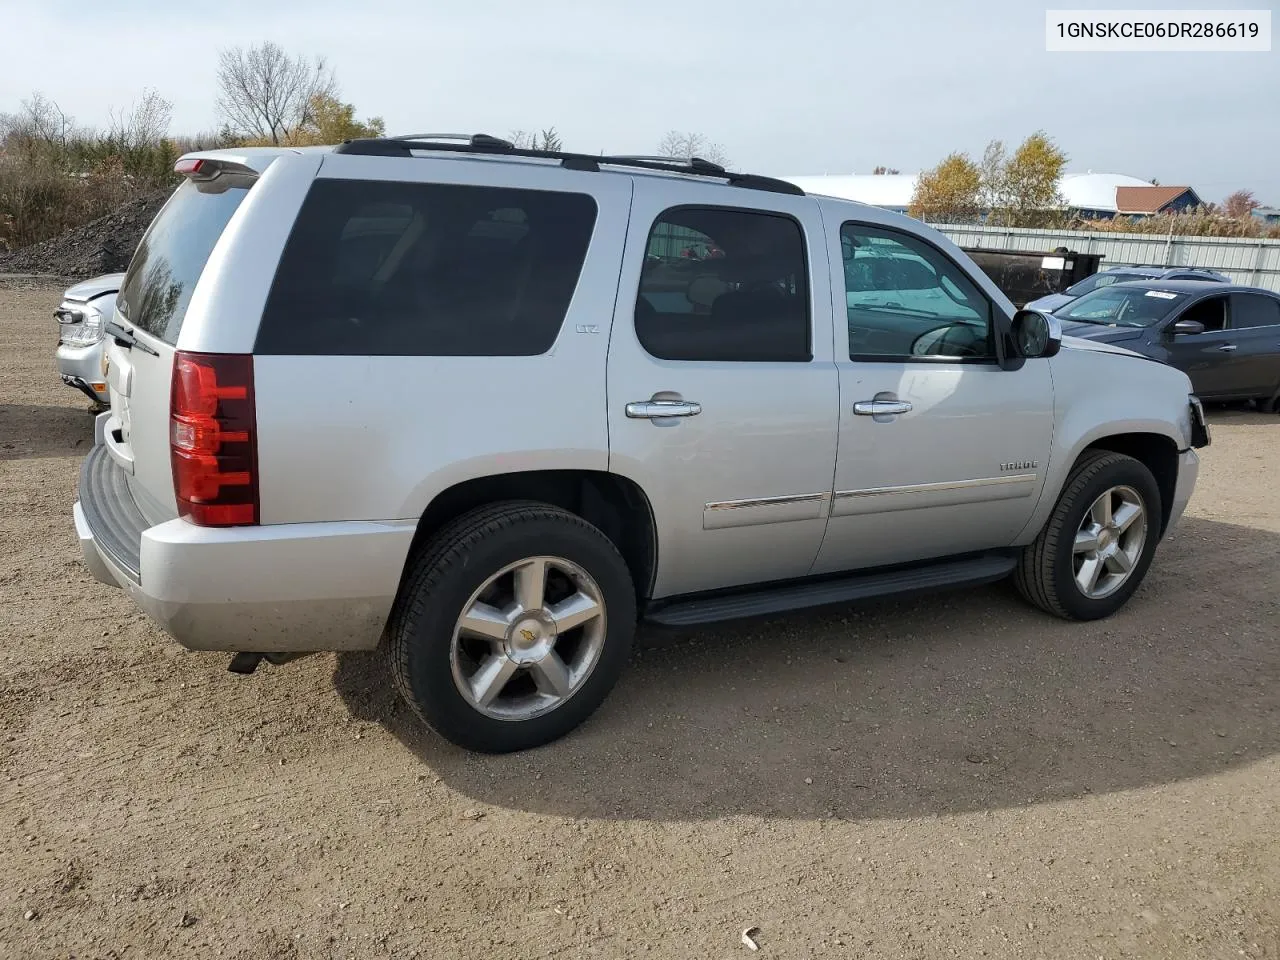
point(1253, 310)
point(376, 268)
point(723, 284)
point(173, 253)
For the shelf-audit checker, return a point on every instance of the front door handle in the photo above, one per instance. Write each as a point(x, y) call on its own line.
point(1227, 347)
point(881, 408)
point(653, 409)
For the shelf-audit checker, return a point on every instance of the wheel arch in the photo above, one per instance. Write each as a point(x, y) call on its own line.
point(1157, 452)
point(615, 504)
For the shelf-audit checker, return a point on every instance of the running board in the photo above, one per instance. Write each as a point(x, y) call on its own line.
point(782, 598)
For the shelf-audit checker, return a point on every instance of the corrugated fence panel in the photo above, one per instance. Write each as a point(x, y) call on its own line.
point(1250, 261)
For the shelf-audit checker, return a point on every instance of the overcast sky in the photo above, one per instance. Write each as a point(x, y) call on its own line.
point(788, 88)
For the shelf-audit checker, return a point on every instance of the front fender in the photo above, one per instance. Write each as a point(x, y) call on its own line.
point(1103, 395)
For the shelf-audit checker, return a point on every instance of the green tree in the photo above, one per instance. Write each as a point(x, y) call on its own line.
point(1022, 190)
point(329, 120)
point(948, 192)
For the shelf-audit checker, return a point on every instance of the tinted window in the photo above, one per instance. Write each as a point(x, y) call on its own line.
point(417, 269)
point(172, 254)
point(1254, 310)
point(721, 284)
point(1122, 306)
point(905, 299)
point(1211, 312)
point(1100, 280)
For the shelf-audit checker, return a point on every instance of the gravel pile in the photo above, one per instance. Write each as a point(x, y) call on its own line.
point(100, 246)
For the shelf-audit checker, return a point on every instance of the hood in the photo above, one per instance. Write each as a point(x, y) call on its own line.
point(90, 289)
point(1051, 302)
point(1100, 346)
point(1100, 332)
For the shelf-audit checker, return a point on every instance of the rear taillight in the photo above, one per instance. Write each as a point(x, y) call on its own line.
point(213, 442)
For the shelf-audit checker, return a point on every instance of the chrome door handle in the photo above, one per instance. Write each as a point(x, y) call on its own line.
point(1227, 347)
point(881, 408)
point(651, 409)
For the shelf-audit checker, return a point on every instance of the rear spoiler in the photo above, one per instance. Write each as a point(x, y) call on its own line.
point(210, 168)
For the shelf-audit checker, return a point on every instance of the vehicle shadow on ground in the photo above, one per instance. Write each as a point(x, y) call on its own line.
point(944, 704)
point(1240, 415)
point(32, 432)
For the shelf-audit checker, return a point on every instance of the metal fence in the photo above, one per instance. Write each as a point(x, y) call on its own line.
point(1244, 260)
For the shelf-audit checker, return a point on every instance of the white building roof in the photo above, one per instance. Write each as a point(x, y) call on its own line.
point(1083, 191)
point(1095, 191)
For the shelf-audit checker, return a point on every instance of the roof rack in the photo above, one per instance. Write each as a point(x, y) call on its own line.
point(403, 146)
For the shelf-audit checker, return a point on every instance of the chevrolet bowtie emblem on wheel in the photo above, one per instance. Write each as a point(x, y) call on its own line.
point(527, 634)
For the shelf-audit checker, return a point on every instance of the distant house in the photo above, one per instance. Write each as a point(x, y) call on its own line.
point(1267, 214)
point(1149, 201)
point(1095, 196)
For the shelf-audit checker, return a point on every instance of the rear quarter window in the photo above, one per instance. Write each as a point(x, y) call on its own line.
point(375, 268)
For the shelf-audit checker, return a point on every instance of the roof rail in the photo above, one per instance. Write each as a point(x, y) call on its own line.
point(404, 146)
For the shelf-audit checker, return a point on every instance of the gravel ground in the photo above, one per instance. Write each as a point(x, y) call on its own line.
point(100, 246)
point(954, 776)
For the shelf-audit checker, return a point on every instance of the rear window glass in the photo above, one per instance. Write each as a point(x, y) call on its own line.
point(377, 268)
point(173, 253)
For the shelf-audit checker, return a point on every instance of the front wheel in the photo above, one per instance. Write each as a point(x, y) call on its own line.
point(512, 626)
point(1098, 543)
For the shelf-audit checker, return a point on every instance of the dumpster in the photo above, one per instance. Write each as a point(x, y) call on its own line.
point(1025, 275)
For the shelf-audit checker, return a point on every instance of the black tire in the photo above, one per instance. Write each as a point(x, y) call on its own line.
point(442, 578)
point(1045, 576)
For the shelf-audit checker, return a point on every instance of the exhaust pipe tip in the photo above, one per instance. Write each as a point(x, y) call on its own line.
point(244, 663)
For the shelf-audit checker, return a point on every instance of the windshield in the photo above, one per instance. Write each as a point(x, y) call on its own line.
point(173, 252)
point(1122, 306)
point(1100, 280)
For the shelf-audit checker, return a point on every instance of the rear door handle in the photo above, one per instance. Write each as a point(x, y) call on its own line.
point(654, 409)
point(881, 408)
point(1227, 347)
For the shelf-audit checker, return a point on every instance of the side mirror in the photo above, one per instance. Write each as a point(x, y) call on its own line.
point(1186, 328)
point(1036, 333)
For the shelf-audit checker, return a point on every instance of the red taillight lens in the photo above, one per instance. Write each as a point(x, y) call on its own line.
point(189, 168)
point(213, 442)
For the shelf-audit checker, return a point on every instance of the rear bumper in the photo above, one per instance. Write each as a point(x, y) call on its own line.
point(296, 587)
point(1188, 472)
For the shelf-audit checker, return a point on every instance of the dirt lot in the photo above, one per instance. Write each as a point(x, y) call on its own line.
point(955, 776)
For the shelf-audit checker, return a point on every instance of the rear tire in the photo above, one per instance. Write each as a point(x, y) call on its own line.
point(1098, 543)
point(550, 613)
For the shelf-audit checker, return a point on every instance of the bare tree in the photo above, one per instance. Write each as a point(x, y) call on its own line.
point(39, 120)
point(1240, 204)
point(143, 124)
point(686, 146)
point(548, 139)
point(266, 94)
point(886, 171)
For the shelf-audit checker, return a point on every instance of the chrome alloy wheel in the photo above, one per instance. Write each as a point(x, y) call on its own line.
point(528, 638)
point(1109, 542)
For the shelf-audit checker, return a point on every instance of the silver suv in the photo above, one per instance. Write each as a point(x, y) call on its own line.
point(564, 393)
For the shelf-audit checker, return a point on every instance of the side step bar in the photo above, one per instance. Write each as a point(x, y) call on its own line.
point(781, 598)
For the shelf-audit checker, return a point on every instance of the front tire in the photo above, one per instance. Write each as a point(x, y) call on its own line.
point(1099, 541)
point(512, 626)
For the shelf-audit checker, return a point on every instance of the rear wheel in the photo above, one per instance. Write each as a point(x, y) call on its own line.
point(512, 626)
point(1098, 543)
